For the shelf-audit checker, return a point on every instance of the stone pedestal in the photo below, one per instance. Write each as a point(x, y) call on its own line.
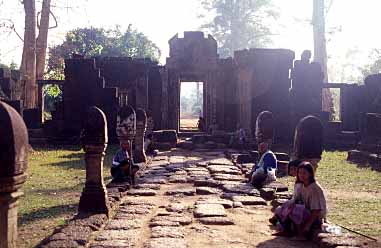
point(13, 154)
point(94, 142)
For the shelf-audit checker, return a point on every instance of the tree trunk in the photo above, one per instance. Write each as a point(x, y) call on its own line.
point(42, 39)
point(320, 48)
point(28, 62)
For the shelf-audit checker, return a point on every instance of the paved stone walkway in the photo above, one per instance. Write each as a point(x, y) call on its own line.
point(191, 199)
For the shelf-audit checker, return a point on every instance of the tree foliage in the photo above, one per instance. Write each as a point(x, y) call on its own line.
point(238, 24)
point(375, 66)
point(100, 42)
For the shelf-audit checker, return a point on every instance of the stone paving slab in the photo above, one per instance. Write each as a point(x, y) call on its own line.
point(166, 243)
point(141, 192)
point(242, 188)
point(147, 186)
point(114, 244)
point(220, 161)
point(182, 219)
point(176, 207)
point(207, 183)
point(123, 224)
point(227, 177)
point(167, 232)
point(249, 200)
point(153, 180)
point(117, 235)
point(207, 191)
point(215, 200)
point(184, 191)
point(164, 223)
point(216, 221)
point(224, 169)
point(178, 179)
point(209, 210)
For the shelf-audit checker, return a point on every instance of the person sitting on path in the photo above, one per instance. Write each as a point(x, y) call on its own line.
point(281, 212)
point(123, 168)
point(311, 211)
point(264, 171)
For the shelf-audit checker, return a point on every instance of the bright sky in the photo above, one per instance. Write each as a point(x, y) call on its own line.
point(160, 20)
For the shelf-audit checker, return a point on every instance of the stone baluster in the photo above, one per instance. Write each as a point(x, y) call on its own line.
point(14, 147)
point(141, 126)
point(264, 128)
point(308, 140)
point(150, 123)
point(94, 142)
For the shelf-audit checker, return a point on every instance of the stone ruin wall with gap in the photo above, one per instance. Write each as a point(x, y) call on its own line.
point(236, 89)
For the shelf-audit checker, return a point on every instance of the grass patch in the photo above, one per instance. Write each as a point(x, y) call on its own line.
point(353, 193)
point(51, 194)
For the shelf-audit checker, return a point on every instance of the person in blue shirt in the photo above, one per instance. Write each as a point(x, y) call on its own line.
point(123, 168)
point(264, 171)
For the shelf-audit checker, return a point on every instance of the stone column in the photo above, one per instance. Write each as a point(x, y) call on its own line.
point(264, 128)
point(150, 123)
point(13, 154)
point(141, 126)
point(94, 142)
point(308, 141)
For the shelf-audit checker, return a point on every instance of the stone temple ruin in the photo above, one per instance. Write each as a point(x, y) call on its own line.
point(266, 91)
point(236, 90)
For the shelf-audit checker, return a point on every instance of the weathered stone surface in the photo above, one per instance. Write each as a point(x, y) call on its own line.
point(207, 183)
point(61, 243)
point(227, 177)
point(240, 189)
point(160, 158)
point(178, 179)
point(113, 244)
point(249, 200)
point(135, 209)
point(142, 192)
point(216, 221)
point(153, 180)
point(118, 235)
point(220, 161)
point(184, 191)
point(278, 186)
point(164, 223)
point(182, 219)
point(215, 200)
point(147, 186)
point(209, 210)
point(176, 207)
point(167, 232)
point(166, 243)
point(122, 224)
point(137, 201)
point(224, 169)
point(237, 204)
point(207, 191)
point(230, 195)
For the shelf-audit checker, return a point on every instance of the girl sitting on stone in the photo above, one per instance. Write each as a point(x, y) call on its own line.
point(309, 209)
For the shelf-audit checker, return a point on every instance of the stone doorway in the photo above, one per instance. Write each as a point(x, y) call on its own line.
point(191, 105)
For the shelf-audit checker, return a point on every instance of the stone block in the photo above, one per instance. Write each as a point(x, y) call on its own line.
point(216, 221)
point(249, 200)
point(209, 210)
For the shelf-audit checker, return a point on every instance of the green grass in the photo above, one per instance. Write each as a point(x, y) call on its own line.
point(57, 175)
point(52, 191)
point(353, 193)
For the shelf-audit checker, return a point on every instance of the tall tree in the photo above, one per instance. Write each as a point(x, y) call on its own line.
point(238, 24)
point(320, 44)
point(28, 62)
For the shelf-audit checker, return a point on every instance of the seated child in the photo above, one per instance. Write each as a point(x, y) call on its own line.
point(281, 211)
point(123, 168)
point(309, 209)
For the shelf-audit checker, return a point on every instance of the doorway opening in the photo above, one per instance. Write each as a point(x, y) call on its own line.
point(191, 106)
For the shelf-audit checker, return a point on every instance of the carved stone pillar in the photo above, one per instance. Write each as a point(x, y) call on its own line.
point(308, 141)
point(141, 126)
point(94, 142)
point(264, 127)
point(13, 164)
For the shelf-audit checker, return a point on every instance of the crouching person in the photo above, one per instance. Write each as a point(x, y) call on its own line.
point(264, 171)
point(309, 211)
point(123, 168)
